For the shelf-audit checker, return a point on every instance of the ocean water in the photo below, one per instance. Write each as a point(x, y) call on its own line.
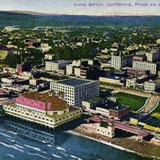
point(16, 146)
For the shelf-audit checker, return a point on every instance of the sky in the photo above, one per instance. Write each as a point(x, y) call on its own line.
point(84, 7)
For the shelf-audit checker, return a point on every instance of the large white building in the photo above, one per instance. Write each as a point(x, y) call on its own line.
point(144, 66)
point(151, 86)
point(74, 91)
point(42, 108)
point(70, 67)
point(153, 56)
point(54, 66)
point(118, 62)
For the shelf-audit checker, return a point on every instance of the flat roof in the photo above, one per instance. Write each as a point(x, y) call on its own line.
point(144, 118)
point(107, 104)
point(60, 61)
point(74, 82)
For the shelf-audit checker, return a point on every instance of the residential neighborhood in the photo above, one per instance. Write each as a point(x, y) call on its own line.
point(104, 82)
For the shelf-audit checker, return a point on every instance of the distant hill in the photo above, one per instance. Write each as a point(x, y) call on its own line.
point(24, 19)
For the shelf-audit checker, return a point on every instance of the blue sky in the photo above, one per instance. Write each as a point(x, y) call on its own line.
point(71, 7)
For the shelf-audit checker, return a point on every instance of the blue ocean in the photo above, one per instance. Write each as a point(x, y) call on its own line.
point(16, 145)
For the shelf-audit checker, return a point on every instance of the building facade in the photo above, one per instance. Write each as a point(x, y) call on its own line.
point(45, 109)
point(153, 56)
point(74, 91)
point(117, 62)
point(151, 86)
point(54, 66)
point(111, 81)
point(108, 109)
point(144, 66)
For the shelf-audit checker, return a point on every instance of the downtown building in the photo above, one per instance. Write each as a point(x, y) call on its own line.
point(118, 62)
point(75, 90)
point(145, 66)
point(55, 66)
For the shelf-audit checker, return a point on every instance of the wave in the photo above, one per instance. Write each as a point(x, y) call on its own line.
point(11, 155)
point(34, 148)
point(19, 146)
point(75, 157)
point(5, 135)
point(12, 132)
point(11, 140)
point(11, 146)
point(49, 145)
point(36, 154)
point(60, 148)
point(57, 156)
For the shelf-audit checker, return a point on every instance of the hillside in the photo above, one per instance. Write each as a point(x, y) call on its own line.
point(31, 20)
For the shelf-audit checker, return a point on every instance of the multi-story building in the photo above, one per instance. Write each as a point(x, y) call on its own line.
point(88, 72)
point(118, 62)
point(139, 58)
point(54, 66)
point(69, 69)
point(111, 80)
point(74, 90)
point(45, 109)
point(77, 72)
point(153, 56)
point(145, 66)
point(106, 108)
point(136, 73)
point(81, 72)
point(131, 83)
point(151, 86)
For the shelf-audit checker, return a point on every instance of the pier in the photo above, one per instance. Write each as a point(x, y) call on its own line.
point(31, 133)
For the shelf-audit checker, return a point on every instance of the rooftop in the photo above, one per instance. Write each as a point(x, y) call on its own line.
point(56, 103)
point(92, 100)
point(107, 104)
point(60, 61)
point(75, 82)
point(152, 121)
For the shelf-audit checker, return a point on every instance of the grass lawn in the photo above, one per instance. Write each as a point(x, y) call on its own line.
point(156, 112)
point(132, 101)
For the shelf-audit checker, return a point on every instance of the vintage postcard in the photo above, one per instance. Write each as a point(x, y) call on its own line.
point(79, 79)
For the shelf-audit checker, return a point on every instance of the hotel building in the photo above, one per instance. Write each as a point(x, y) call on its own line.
point(54, 66)
point(118, 62)
point(74, 90)
point(144, 66)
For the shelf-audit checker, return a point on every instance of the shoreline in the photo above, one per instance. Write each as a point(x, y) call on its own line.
point(76, 133)
point(111, 142)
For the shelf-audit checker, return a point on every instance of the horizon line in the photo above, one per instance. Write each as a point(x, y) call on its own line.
point(90, 15)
